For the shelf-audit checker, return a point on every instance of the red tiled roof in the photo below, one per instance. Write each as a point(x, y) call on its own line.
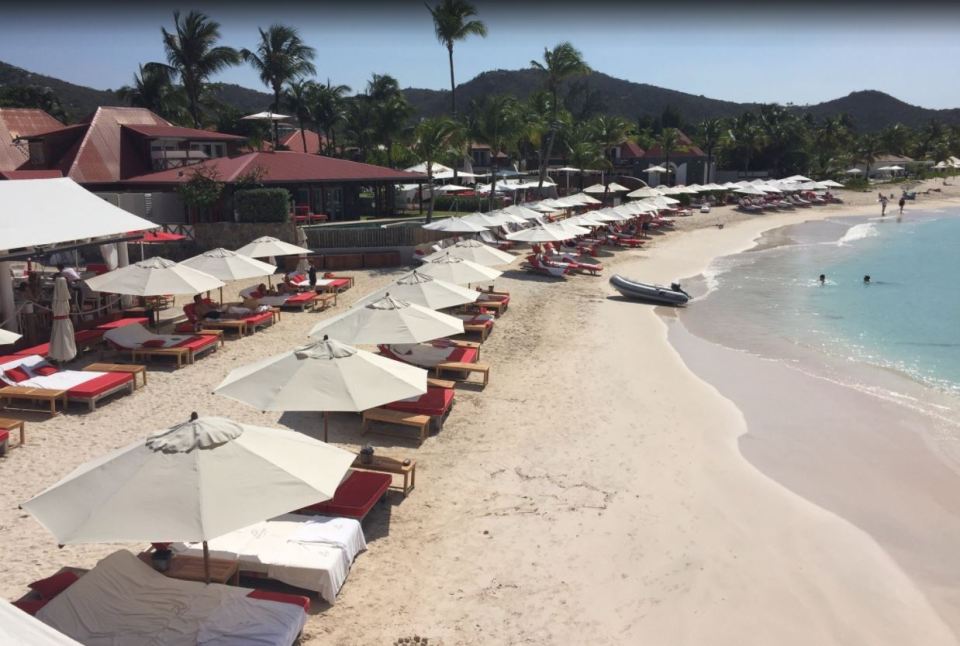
point(20, 122)
point(685, 148)
point(282, 167)
point(294, 141)
point(175, 132)
point(630, 150)
point(30, 174)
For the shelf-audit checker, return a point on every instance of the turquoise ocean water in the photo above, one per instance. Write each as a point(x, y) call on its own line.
point(907, 320)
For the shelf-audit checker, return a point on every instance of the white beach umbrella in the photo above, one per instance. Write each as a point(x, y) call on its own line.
point(7, 337)
point(598, 189)
point(617, 188)
point(229, 265)
point(749, 190)
point(523, 211)
point(583, 198)
point(388, 320)
point(831, 184)
point(451, 188)
point(601, 216)
point(457, 270)
point(545, 233)
point(192, 482)
point(436, 168)
point(421, 289)
point(507, 217)
point(486, 220)
point(268, 246)
point(454, 225)
point(797, 178)
point(154, 277)
point(646, 191)
point(474, 251)
point(853, 171)
point(266, 116)
point(325, 376)
point(655, 169)
point(586, 220)
point(63, 346)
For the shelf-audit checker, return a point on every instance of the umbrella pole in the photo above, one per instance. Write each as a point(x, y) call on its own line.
point(206, 561)
point(324, 426)
point(221, 295)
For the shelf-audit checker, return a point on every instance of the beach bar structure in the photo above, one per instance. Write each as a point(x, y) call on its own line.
point(42, 216)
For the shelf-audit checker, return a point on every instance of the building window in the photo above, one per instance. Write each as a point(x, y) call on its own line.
point(36, 153)
point(210, 150)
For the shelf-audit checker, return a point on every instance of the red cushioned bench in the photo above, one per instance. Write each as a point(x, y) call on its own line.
point(91, 392)
point(355, 496)
point(281, 597)
point(436, 403)
point(133, 320)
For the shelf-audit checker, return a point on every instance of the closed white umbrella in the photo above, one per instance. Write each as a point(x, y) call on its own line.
point(457, 270)
point(268, 246)
point(192, 482)
point(474, 251)
point(421, 289)
point(326, 376)
point(154, 277)
point(388, 320)
point(545, 233)
point(454, 225)
point(63, 346)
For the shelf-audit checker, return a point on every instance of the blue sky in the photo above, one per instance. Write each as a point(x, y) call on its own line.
point(734, 52)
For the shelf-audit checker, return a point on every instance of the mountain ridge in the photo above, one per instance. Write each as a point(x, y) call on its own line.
point(870, 109)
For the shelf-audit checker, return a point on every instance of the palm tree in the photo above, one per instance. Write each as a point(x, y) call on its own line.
point(329, 106)
point(433, 139)
point(607, 132)
point(193, 53)
point(868, 148)
point(154, 90)
point(562, 62)
point(586, 150)
point(391, 111)
point(298, 99)
point(281, 57)
point(452, 22)
point(668, 141)
point(496, 122)
point(710, 131)
point(359, 118)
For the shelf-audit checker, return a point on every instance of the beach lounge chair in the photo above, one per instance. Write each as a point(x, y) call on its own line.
point(481, 324)
point(33, 378)
point(125, 601)
point(489, 295)
point(576, 263)
point(304, 301)
point(355, 497)
point(436, 404)
point(140, 342)
point(241, 326)
point(309, 552)
point(428, 355)
point(541, 265)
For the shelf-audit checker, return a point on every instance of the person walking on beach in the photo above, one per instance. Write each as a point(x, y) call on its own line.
point(903, 201)
point(883, 206)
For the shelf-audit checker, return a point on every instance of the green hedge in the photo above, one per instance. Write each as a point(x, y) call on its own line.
point(263, 205)
point(465, 204)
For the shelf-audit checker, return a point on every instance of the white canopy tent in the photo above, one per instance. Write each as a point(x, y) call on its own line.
point(44, 215)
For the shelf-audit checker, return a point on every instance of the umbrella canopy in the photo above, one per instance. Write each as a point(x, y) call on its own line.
point(545, 233)
point(7, 337)
point(586, 220)
point(523, 212)
point(420, 289)
point(831, 184)
point(474, 251)
point(645, 192)
point(63, 347)
point(229, 265)
point(797, 178)
point(655, 169)
point(454, 225)
point(324, 376)
point(388, 320)
point(486, 220)
point(749, 190)
point(266, 116)
point(596, 188)
point(853, 171)
point(267, 246)
point(451, 188)
point(458, 271)
point(154, 277)
point(617, 188)
point(436, 168)
point(192, 482)
point(583, 198)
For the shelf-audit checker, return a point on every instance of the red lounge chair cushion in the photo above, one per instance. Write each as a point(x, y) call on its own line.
point(153, 343)
point(134, 320)
point(435, 403)
point(297, 299)
point(53, 585)
point(295, 599)
point(30, 606)
point(86, 336)
point(41, 349)
point(17, 374)
point(198, 342)
point(256, 319)
point(99, 385)
point(44, 370)
point(355, 496)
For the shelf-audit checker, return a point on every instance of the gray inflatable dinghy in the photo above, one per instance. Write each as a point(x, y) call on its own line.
point(672, 295)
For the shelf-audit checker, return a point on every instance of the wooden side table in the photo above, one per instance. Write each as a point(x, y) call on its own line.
point(9, 424)
point(384, 464)
point(35, 394)
point(190, 568)
point(129, 368)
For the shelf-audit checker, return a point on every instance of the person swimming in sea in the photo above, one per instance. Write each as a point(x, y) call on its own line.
point(823, 279)
point(866, 279)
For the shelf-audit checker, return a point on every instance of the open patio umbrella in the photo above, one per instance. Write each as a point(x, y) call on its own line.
point(613, 187)
point(545, 233)
point(523, 211)
point(655, 169)
point(154, 277)
point(457, 270)
point(598, 189)
point(420, 289)
point(268, 246)
point(229, 265)
point(646, 191)
point(831, 184)
point(63, 346)
point(853, 171)
point(583, 198)
point(388, 320)
point(192, 482)
point(454, 225)
point(749, 190)
point(326, 376)
point(486, 220)
point(474, 251)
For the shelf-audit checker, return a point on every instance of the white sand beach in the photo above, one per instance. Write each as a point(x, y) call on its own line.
point(594, 492)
